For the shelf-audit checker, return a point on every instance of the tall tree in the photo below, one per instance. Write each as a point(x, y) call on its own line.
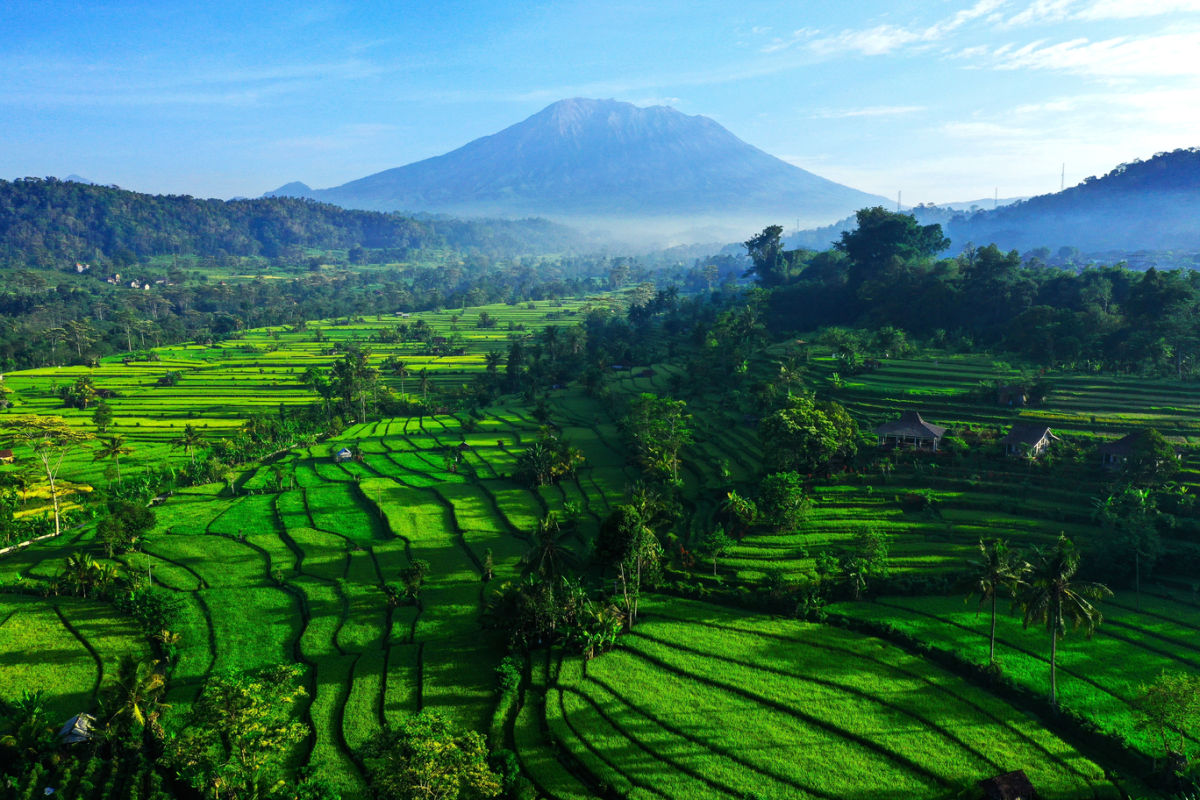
point(81, 334)
point(1052, 598)
point(881, 236)
point(659, 428)
point(234, 745)
point(769, 262)
point(548, 556)
point(426, 759)
point(135, 704)
point(189, 440)
point(112, 447)
point(51, 439)
point(996, 570)
point(807, 436)
point(1170, 709)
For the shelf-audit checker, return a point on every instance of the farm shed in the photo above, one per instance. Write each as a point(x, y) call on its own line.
point(910, 431)
point(1027, 439)
point(1013, 785)
point(6, 456)
point(343, 455)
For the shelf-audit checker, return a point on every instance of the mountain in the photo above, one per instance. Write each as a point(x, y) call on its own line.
point(1142, 205)
point(608, 164)
point(293, 189)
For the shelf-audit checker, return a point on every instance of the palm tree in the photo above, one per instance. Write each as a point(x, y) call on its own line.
point(80, 570)
point(1052, 599)
point(30, 734)
point(548, 557)
point(113, 447)
point(423, 375)
point(135, 699)
point(996, 569)
point(189, 440)
point(401, 369)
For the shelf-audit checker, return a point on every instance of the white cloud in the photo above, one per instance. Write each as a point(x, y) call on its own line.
point(877, 41)
point(1162, 55)
point(982, 8)
point(882, 39)
point(778, 43)
point(1043, 11)
point(1046, 11)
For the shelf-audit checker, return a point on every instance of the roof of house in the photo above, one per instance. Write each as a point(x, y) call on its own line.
point(911, 424)
point(1029, 433)
point(1013, 785)
point(6, 453)
point(345, 451)
point(77, 729)
point(1121, 447)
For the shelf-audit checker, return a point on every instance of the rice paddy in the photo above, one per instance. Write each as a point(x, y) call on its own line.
point(289, 564)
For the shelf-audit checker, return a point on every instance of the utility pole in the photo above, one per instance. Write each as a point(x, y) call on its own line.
point(996, 198)
point(899, 194)
point(1062, 181)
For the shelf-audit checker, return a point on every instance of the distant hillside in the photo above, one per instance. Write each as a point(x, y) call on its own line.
point(611, 163)
point(1143, 205)
point(43, 221)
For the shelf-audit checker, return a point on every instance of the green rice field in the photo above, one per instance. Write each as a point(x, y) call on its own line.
point(697, 700)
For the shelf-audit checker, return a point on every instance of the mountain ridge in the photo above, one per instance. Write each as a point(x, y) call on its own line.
point(604, 160)
point(1140, 205)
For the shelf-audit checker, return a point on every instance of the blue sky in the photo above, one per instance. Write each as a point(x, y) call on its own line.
point(942, 100)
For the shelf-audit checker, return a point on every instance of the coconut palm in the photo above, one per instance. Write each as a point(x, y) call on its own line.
point(80, 570)
point(423, 377)
point(135, 699)
point(1051, 598)
point(29, 732)
point(548, 557)
point(997, 569)
point(401, 370)
point(113, 447)
point(189, 440)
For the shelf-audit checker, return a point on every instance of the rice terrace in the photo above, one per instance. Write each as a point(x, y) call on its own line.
point(557, 449)
point(386, 560)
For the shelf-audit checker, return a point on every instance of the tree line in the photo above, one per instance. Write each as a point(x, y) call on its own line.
point(887, 272)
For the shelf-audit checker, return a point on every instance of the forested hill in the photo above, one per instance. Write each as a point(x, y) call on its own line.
point(1143, 205)
point(46, 221)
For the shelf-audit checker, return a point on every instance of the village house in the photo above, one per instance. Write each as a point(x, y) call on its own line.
point(1012, 395)
point(910, 431)
point(1113, 455)
point(1027, 439)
